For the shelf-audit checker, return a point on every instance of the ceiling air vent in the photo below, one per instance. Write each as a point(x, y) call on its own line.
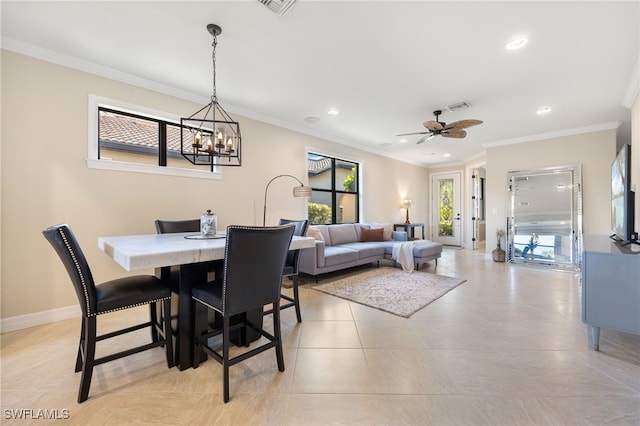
point(457, 106)
point(281, 7)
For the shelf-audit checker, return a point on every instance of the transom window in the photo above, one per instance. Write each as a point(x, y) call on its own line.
point(129, 138)
point(336, 190)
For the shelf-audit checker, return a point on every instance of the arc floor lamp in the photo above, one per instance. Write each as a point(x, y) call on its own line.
point(298, 191)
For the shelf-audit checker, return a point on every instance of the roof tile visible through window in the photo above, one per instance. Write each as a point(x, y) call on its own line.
point(123, 129)
point(319, 166)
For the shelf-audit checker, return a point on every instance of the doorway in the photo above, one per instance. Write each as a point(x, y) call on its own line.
point(446, 208)
point(478, 220)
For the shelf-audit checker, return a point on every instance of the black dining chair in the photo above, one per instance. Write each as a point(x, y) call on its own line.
point(291, 268)
point(110, 296)
point(171, 273)
point(252, 276)
point(173, 226)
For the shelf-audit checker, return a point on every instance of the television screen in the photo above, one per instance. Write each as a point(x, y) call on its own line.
point(621, 195)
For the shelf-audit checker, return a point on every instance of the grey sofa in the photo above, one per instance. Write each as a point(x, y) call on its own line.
point(339, 247)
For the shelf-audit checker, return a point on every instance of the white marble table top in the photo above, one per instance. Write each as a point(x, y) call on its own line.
point(134, 252)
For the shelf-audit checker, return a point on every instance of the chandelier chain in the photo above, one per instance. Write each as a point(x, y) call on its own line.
point(214, 96)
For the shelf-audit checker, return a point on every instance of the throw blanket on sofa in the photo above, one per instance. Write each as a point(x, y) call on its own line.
point(403, 254)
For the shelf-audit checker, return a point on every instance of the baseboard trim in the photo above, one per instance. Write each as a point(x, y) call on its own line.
point(38, 318)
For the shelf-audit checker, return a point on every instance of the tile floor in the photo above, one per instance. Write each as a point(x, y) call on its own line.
point(505, 348)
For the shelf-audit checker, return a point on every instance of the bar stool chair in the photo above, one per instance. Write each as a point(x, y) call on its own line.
point(253, 264)
point(111, 296)
point(291, 268)
point(171, 273)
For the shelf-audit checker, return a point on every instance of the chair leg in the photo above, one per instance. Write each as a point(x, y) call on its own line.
point(80, 357)
point(89, 349)
point(168, 335)
point(225, 357)
point(278, 335)
point(296, 299)
point(153, 315)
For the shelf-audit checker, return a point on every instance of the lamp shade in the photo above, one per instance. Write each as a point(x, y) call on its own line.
point(301, 191)
point(407, 202)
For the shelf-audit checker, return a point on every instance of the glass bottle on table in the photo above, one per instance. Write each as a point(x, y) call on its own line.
point(208, 224)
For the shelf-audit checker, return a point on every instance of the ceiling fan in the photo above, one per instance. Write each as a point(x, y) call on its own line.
point(451, 130)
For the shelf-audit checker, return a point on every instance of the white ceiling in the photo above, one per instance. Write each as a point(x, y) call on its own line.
point(385, 65)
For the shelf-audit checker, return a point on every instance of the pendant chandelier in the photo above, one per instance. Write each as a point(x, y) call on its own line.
point(210, 137)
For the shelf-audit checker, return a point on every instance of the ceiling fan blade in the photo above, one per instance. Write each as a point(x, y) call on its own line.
point(432, 125)
point(415, 133)
point(462, 124)
point(425, 138)
point(454, 133)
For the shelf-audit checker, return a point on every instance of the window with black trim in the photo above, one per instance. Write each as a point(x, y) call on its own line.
point(128, 137)
point(336, 190)
point(134, 138)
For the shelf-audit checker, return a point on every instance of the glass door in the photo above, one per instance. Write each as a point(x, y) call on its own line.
point(446, 208)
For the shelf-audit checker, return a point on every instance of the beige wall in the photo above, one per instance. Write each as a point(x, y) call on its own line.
point(45, 180)
point(593, 151)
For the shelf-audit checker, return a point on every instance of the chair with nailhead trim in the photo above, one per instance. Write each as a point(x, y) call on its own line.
point(115, 295)
point(253, 262)
point(291, 268)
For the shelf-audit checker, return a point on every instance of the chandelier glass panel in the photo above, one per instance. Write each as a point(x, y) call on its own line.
point(210, 137)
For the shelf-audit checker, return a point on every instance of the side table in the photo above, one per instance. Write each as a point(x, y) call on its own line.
point(409, 228)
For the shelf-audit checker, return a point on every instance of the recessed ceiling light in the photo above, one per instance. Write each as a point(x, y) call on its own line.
point(543, 110)
point(516, 43)
point(333, 111)
point(403, 140)
point(446, 155)
point(311, 119)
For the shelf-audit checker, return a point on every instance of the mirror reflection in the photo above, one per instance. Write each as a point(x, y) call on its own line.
point(545, 217)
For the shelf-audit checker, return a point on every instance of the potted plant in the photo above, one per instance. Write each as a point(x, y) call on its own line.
point(498, 253)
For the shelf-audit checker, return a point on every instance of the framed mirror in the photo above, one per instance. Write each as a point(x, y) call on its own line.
point(544, 216)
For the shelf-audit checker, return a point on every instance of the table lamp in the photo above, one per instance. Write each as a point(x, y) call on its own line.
point(406, 203)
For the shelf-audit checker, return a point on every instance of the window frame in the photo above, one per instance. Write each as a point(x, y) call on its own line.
point(335, 192)
point(93, 144)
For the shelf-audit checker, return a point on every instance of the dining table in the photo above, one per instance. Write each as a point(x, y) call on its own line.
point(191, 253)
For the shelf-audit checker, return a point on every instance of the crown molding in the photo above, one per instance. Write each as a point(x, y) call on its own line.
point(558, 134)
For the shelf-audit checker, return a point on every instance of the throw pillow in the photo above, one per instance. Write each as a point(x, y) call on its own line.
point(313, 232)
point(387, 227)
point(367, 235)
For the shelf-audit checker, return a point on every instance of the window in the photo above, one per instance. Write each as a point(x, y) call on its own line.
point(130, 138)
point(336, 190)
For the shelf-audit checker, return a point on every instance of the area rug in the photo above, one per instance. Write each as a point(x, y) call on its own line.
point(392, 289)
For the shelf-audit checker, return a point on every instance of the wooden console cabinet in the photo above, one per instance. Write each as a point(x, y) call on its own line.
point(610, 286)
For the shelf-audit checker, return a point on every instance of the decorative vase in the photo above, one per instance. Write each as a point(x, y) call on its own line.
point(498, 254)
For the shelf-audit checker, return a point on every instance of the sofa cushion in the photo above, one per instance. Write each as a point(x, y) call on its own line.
point(369, 235)
point(337, 255)
point(387, 229)
point(343, 233)
point(422, 249)
point(365, 250)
